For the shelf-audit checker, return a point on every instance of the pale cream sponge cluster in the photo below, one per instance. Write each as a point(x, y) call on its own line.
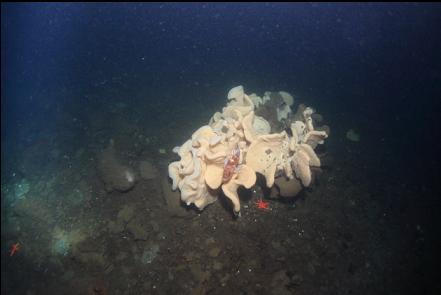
point(236, 144)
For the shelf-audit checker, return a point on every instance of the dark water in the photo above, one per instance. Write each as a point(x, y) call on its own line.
point(75, 76)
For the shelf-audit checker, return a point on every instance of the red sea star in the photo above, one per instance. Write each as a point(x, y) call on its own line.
point(261, 204)
point(14, 249)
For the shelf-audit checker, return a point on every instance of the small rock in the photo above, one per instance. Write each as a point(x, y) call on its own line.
point(173, 200)
point(279, 283)
point(209, 241)
point(311, 268)
point(277, 246)
point(137, 228)
point(155, 226)
point(147, 170)
point(217, 265)
point(297, 279)
point(214, 252)
point(149, 254)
